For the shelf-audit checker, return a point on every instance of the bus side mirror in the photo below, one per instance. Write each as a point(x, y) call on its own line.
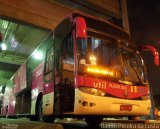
point(153, 51)
point(80, 27)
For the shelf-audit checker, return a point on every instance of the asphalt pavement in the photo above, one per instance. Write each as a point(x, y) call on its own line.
point(24, 123)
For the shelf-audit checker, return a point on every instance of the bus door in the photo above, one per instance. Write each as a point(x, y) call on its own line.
point(48, 87)
point(68, 73)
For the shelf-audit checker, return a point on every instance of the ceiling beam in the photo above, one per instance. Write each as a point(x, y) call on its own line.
point(8, 66)
point(48, 13)
point(10, 57)
point(100, 8)
point(3, 81)
point(42, 13)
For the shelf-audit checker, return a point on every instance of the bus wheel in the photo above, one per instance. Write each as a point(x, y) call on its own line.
point(93, 120)
point(134, 118)
point(49, 119)
point(6, 111)
point(40, 114)
point(33, 118)
point(39, 111)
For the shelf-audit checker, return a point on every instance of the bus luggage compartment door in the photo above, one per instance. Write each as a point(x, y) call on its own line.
point(64, 98)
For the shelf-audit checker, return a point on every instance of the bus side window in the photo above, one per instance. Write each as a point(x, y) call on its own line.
point(49, 65)
point(68, 49)
point(68, 59)
point(68, 56)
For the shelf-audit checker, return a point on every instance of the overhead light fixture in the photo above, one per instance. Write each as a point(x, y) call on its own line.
point(0, 48)
point(38, 55)
point(3, 46)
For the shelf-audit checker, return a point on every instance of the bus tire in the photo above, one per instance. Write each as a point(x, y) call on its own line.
point(40, 116)
point(33, 118)
point(6, 115)
point(93, 120)
point(134, 118)
point(49, 119)
point(39, 111)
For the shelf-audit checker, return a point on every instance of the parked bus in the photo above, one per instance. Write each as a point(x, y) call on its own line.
point(86, 68)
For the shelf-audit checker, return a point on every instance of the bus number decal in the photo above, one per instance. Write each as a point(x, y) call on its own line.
point(134, 89)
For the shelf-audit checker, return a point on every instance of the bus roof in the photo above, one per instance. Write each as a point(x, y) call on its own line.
point(106, 27)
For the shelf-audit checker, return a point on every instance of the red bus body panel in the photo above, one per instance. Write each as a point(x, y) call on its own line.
point(114, 89)
point(19, 79)
point(37, 80)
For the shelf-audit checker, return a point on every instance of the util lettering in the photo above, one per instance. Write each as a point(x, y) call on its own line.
point(101, 85)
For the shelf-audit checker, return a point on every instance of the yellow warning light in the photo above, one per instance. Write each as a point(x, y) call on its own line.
point(98, 70)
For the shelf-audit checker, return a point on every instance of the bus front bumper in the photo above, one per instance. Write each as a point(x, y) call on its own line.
point(86, 104)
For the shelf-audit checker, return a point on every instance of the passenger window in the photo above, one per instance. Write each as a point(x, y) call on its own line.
point(68, 60)
point(49, 64)
point(68, 50)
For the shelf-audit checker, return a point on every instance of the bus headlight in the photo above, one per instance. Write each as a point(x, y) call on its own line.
point(92, 91)
point(145, 97)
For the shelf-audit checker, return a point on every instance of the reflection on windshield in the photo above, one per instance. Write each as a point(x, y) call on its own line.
point(103, 57)
point(133, 69)
point(103, 52)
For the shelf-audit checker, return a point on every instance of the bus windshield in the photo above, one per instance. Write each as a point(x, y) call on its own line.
point(104, 59)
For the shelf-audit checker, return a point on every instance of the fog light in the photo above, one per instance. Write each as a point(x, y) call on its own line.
point(84, 103)
point(92, 104)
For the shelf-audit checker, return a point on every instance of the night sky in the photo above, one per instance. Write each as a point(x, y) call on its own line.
point(144, 19)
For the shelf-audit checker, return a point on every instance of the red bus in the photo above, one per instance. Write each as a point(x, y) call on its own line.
point(86, 68)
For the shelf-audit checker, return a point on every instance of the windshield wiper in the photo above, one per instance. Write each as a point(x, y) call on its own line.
point(137, 74)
